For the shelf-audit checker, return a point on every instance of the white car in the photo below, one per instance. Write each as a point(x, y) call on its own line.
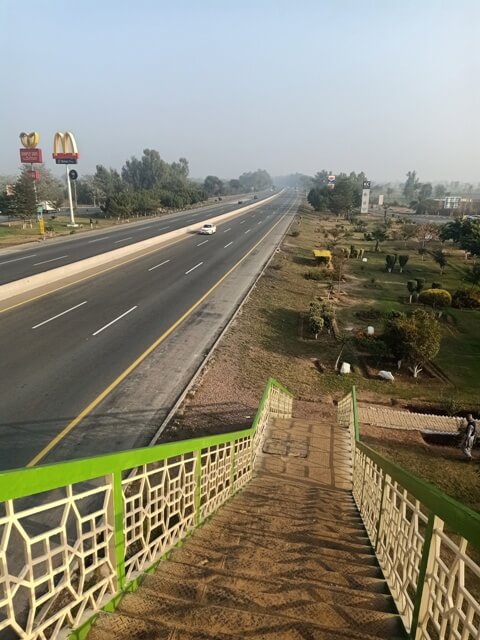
point(208, 229)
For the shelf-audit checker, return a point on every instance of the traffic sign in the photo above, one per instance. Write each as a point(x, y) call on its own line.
point(72, 174)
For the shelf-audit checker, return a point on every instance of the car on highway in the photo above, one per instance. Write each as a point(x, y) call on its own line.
point(208, 229)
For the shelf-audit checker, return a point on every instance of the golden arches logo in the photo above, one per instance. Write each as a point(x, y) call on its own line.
point(64, 145)
point(30, 140)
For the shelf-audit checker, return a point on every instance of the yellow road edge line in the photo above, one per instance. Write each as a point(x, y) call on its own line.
point(71, 425)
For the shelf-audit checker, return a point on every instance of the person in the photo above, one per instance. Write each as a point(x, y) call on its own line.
point(469, 437)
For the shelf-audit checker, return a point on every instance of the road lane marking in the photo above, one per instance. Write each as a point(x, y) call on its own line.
point(193, 268)
point(159, 265)
point(162, 228)
point(123, 240)
point(119, 379)
point(242, 221)
point(204, 242)
point(98, 240)
point(146, 227)
point(259, 222)
point(36, 264)
point(60, 314)
point(229, 229)
point(227, 245)
point(33, 255)
point(113, 321)
point(248, 230)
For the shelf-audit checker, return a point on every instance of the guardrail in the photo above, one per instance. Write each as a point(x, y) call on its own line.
point(76, 535)
point(426, 543)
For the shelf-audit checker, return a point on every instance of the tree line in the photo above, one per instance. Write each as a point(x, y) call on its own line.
point(144, 185)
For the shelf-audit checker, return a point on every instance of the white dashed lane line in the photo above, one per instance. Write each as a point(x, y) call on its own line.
point(227, 245)
point(248, 230)
point(229, 229)
point(113, 321)
point(242, 221)
point(59, 314)
point(159, 265)
point(98, 240)
point(123, 239)
point(36, 264)
point(200, 244)
point(193, 268)
point(33, 255)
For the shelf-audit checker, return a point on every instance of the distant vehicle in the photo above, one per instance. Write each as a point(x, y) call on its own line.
point(208, 229)
point(255, 197)
point(240, 202)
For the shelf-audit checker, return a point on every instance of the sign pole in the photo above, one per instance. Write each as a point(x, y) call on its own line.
point(69, 186)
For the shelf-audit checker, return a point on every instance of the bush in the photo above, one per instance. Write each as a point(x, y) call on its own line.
point(466, 299)
point(437, 285)
point(436, 298)
point(295, 234)
point(314, 275)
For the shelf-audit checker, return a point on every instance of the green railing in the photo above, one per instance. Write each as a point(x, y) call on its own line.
point(75, 536)
point(427, 544)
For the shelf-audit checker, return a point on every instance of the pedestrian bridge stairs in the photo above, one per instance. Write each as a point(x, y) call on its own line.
point(286, 558)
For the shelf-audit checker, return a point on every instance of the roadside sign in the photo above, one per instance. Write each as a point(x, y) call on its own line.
point(72, 174)
point(41, 226)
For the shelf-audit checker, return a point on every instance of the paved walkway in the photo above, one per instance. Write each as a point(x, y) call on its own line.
point(394, 419)
point(286, 559)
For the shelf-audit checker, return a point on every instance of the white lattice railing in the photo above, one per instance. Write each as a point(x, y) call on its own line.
point(427, 544)
point(75, 535)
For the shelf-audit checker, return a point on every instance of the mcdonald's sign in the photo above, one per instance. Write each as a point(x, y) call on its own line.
point(65, 149)
point(30, 154)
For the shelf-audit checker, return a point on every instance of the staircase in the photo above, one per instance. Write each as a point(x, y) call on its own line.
point(287, 558)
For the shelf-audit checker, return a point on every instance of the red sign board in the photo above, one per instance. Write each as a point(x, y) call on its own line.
point(31, 155)
point(35, 175)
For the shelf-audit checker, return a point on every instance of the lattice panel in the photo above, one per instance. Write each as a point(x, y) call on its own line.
point(243, 462)
point(359, 462)
point(452, 606)
point(345, 411)
point(371, 497)
point(216, 487)
point(159, 510)
point(400, 545)
point(56, 559)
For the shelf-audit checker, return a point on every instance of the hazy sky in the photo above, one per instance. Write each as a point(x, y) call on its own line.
point(381, 86)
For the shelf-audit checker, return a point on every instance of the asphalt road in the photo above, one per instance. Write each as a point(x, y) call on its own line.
point(61, 351)
point(35, 258)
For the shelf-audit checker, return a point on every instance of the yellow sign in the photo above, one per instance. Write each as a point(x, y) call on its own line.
point(41, 226)
point(64, 145)
point(30, 140)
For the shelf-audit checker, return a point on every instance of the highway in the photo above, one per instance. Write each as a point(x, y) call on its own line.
point(66, 356)
point(33, 258)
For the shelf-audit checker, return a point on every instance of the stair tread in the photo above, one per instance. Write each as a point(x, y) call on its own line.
point(212, 585)
point(203, 617)
point(119, 626)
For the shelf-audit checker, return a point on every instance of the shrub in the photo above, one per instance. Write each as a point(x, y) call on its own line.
point(402, 261)
point(313, 275)
point(436, 298)
point(390, 262)
point(295, 234)
point(437, 285)
point(420, 284)
point(466, 299)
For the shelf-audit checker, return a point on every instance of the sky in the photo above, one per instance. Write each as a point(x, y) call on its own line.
point(383, 86)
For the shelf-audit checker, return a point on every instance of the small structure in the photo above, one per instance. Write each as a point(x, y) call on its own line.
point(323, 257)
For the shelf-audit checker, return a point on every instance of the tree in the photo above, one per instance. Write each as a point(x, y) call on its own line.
point(439, 191)
point(390, 262)
point(402, 261)
point(25, 202)
point(318, 198)
point(436, 298)
point(213, 186)
point(379, 234)
point(411, 186)
point(473, 275)
point(415, 339)
point(441, 259)
point(412, 288)
point(425, 233)
point(425, 191)
point(106, 182)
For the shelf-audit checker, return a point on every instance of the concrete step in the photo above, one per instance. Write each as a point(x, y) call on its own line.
point(228, 588)
point(199, 552)
point(222, 617)
point(122, 627)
